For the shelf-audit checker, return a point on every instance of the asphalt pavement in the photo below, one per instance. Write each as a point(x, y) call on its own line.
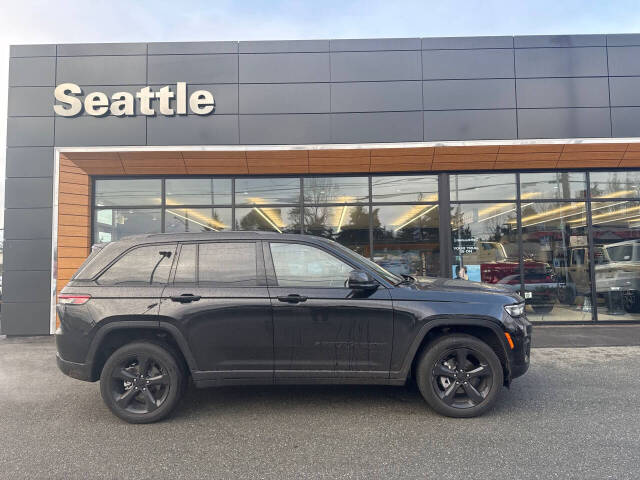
point(575, 414)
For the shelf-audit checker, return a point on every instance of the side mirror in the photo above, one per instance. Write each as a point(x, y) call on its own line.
point(360, 280)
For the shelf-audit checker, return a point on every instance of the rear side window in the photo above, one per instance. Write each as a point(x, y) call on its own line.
point(148, 265)
point(101, 254)
point(228, 264)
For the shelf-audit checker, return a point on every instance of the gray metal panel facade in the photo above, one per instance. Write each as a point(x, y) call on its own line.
point(299, 92)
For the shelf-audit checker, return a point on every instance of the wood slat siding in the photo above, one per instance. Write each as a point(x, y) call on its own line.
point(74, 225)
point(76, 169)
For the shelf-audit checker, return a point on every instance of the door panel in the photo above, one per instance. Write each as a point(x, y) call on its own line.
point(332, 331)
point(227, 328)
point(220, 302)
point(325, 331)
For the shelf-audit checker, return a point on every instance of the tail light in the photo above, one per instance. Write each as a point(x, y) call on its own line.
point(70, 299)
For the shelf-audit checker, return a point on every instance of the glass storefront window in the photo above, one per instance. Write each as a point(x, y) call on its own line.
point(269, 219)
point(198, 191)
point(557, 283)
point(133, 193)
point(405, 188)
point(345, 224)
point(484, 240)
point(406, 239)
point(620, 184)
point(616, 239)
point(263, 191)
point(114, 224)
point(319, 190)
point(483, 186)
point(401, 222)
point(553, 185)
point(197, 219)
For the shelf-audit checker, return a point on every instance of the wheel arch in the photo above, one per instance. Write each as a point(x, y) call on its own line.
point(486, 329)
point(115, 334)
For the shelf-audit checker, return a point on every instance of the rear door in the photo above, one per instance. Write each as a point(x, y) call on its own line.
point(218, 299)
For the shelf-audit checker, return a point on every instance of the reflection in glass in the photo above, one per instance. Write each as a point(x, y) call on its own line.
point(261, 191)
point(620, 184)
point(483, 186)
point(556, 262)
point(405, 188)
point(336, 190)
point(123, 192)
point(114, 224)
point(616, 238)
point(269, 219)
point(198, 191)
point(405, 239)
point(553, 185)
point(298, 265)
point(148, 265)
point(197, 219)
point(484, 242)
point(348, 225)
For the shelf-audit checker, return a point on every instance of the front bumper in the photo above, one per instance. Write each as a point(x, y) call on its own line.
point(80, 371)
point(520, 355)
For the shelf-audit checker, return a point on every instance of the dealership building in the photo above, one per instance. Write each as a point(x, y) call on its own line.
point(506, 160)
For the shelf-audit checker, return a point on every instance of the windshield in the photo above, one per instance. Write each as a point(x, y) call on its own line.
point(388, 276)
point(620, 253)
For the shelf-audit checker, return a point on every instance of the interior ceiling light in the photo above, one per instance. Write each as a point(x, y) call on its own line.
point(268, 220)
point(618, 194)
point(344, 210)
point(190, 219)
point(605, 215)
point(420, 215)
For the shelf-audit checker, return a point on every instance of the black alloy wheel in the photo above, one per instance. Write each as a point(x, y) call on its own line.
point(142, 382)
point(459, 375)
point(462, 378)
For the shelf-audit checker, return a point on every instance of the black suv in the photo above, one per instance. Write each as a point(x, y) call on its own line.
point(146, 313)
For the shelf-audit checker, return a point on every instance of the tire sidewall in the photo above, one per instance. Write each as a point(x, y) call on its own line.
point(168, 361)
point(434, 351)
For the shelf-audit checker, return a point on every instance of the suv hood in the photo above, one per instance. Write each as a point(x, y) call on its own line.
point(426, 283)
point(451, 290)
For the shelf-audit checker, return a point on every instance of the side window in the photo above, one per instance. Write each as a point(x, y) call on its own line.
point(578, 257)
point(149, 265)
point(305, 266)
point(227, 264)
point(186, 268)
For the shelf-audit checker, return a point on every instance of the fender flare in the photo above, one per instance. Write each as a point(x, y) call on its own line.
point(450, 321)
point(167, 327)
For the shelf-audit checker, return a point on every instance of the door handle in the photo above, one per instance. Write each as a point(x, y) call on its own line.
point(186, 298)
point(293, 298)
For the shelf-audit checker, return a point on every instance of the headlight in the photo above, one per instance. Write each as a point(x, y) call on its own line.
point(515, 310)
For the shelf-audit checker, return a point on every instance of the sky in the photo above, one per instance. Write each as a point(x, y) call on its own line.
point(73, 21)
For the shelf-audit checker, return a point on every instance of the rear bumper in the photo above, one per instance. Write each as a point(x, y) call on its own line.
point(80, 371)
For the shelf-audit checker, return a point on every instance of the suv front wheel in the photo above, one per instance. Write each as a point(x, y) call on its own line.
point(142, 382)
point(459, 376)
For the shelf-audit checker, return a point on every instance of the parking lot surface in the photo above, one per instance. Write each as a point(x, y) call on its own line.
point(575, 414)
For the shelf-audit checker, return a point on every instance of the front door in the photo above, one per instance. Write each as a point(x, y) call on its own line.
point(219, 300)
point(323, 329)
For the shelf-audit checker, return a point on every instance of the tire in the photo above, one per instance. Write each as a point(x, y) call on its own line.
point(440, 391)
point(632, 302)
point(142, 394)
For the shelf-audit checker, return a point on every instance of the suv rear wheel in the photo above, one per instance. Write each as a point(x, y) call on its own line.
point(459, 376)
point(142, 382)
